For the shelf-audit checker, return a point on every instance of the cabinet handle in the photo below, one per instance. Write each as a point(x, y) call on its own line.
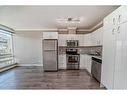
point(113, 31)
point(118, 29)
point(119, 18)
point(113, 21)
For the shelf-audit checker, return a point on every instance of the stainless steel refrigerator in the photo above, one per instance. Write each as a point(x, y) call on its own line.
point(50, 54)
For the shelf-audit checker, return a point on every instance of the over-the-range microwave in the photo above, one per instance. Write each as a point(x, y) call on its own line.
point(72, 43)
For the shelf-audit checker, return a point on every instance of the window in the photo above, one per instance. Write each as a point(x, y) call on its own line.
point(6, 48)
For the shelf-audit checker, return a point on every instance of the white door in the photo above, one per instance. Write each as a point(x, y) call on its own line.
point(120, 80)
point(108, 58)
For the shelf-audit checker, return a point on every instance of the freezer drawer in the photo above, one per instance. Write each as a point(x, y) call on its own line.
point(50, 61)
point(49, 44)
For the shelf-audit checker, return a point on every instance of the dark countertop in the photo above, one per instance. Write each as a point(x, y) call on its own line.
point(96, 56)
point(79, 46)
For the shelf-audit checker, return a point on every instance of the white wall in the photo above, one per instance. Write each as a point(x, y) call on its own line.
point(28, 48)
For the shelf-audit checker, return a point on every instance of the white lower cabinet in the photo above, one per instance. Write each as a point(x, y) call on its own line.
point(62, 61)
point(82, 61)
point(88, 63)
point(97, 37)
point(85, 62)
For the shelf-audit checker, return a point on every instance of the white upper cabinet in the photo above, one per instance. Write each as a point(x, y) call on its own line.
point(100, 36)
point(122, 14)
point(81, 39)
point(87, 40)
point(110, 21)
point(97, 37)
point(50, 35)
point(62, 40)
point(117, 17)
point(64, 37)
point(91, 39)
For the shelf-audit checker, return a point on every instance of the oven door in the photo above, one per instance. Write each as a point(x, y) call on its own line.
point(73, 58)
point(73, 62)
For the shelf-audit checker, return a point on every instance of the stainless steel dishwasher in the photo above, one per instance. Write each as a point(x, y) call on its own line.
point(96, 68)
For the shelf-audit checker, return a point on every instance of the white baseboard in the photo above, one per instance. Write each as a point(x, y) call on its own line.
point(30, 64)
point(8, 67)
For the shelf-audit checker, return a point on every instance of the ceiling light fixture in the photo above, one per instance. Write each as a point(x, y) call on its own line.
point(68, 20)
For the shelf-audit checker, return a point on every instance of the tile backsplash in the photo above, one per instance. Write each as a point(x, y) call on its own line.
point(84, 50)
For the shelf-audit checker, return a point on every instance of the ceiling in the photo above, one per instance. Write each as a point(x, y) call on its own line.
point(44, 17)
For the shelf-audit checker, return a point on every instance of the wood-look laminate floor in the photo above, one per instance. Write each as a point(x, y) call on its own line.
point(35, 78)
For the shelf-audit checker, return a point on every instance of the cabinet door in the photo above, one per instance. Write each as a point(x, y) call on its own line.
point(88, 63)
point(99, 36)
point(50, 35)
point(80, 38)
point(111, 20)
point(108, 58)
point(82, 61)
point(87, 39)
point(120, 80)
point(122, 14)
point(62, 61)
point(62, 40)
point(96, 37)
point(93, 38)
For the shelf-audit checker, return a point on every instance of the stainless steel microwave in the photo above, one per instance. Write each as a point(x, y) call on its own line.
point(72, 43)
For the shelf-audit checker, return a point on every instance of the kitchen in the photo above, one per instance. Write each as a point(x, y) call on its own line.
point(94, 52)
